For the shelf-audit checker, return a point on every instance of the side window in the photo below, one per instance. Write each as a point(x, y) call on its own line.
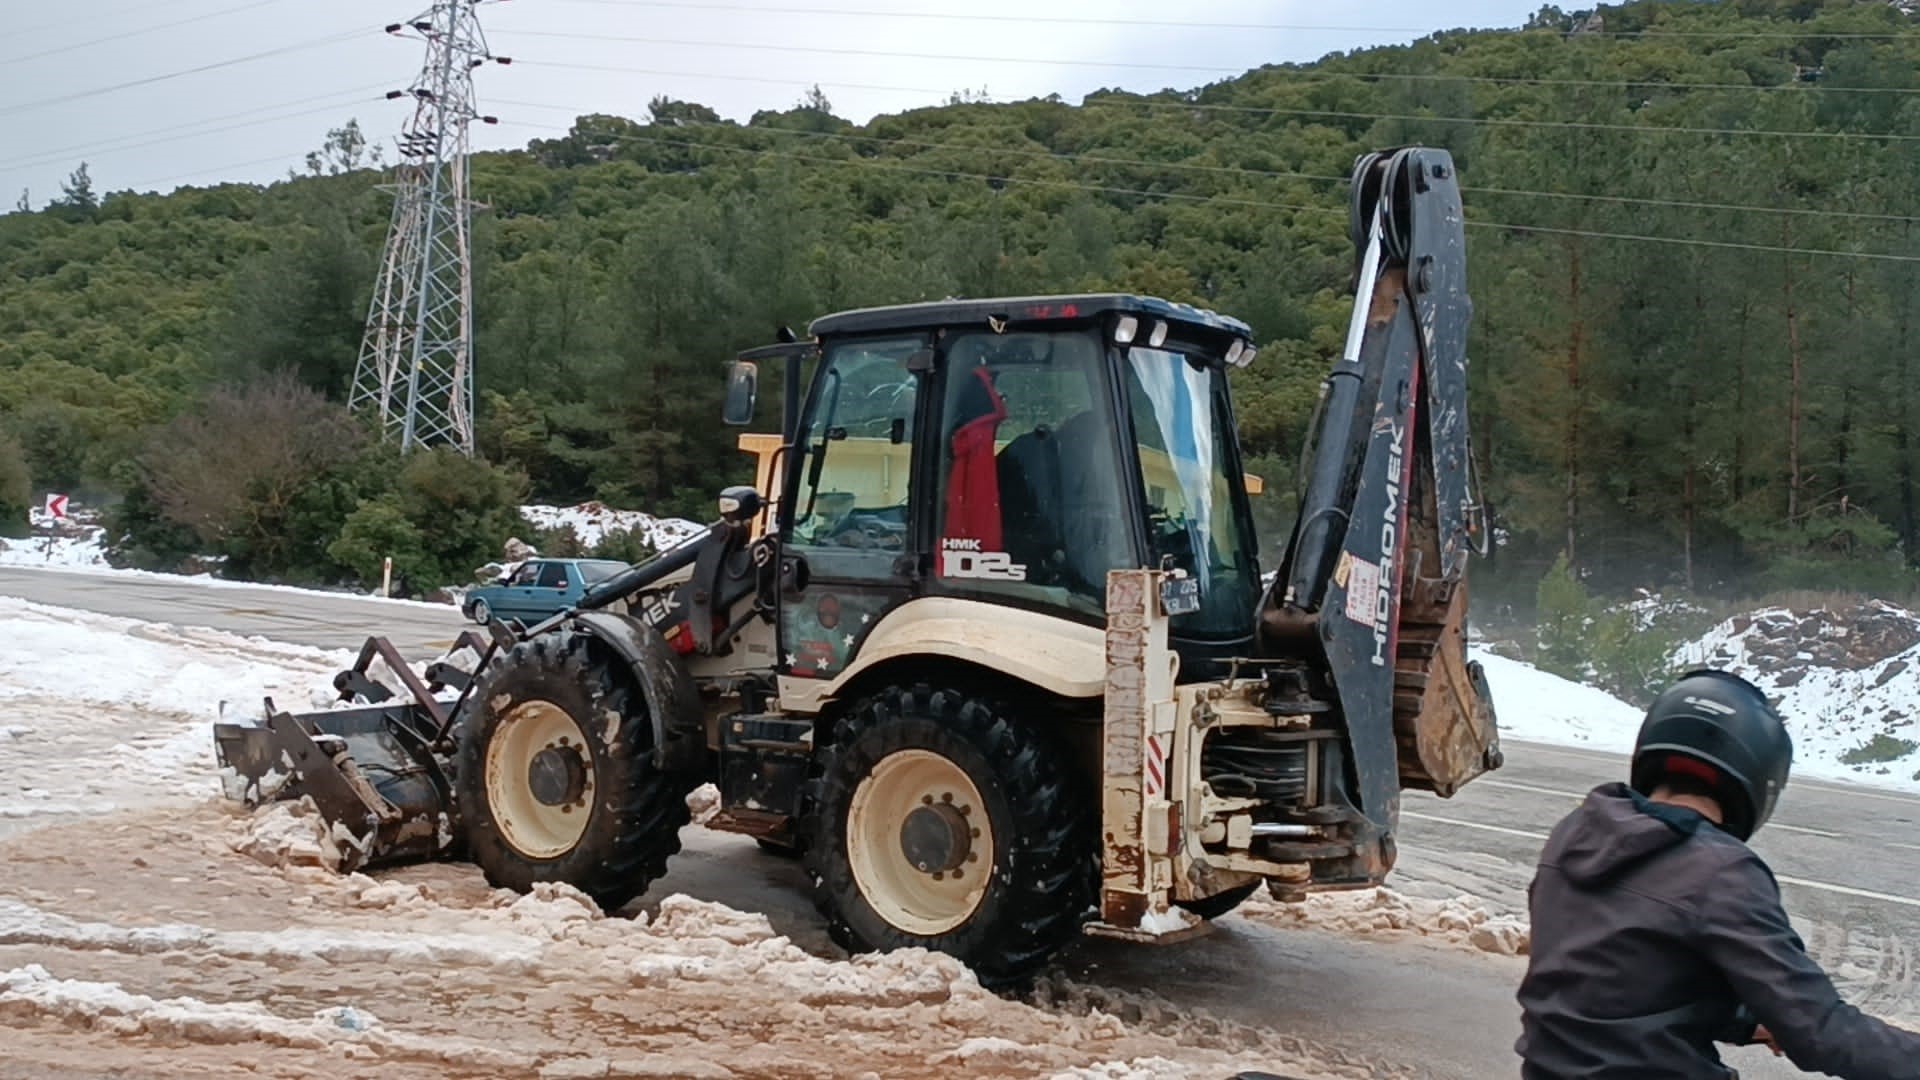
point(553, 575)
point(1031, 502)
point(857, 450)
point(526, 575)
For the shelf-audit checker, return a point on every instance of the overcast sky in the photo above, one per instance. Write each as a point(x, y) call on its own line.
point(206, 107)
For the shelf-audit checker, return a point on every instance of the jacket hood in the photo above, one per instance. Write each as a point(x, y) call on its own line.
point(1614, 829)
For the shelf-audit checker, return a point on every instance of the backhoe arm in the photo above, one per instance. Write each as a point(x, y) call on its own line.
point(1374, 579)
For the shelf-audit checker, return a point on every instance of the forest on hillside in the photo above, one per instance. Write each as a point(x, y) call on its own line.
point(1692, 253)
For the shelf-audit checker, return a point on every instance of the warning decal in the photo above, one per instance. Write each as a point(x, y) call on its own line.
point(1156, 766)
point(1363, 589)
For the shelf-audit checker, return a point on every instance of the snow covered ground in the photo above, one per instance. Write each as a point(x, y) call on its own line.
point(148, 928)
point(74, 543)
point(1846, 676)
point(1847, 682)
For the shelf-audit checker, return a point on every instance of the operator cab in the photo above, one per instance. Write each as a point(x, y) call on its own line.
point(1013, 451)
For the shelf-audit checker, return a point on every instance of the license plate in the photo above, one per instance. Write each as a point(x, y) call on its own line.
point(1180, 596)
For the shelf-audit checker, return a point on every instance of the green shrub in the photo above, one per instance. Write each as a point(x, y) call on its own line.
point(380, 529)
point(624, 545)
point(1882, 747)
point(1565, 614)
point(16, 488)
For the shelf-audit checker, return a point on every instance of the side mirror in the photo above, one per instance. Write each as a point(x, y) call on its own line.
point(743, 388)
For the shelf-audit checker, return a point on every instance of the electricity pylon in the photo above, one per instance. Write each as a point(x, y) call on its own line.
point(416, 360)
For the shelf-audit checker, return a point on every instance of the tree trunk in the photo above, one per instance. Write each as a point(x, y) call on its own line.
point(1843, 438)
point(1740, 405)
point(1571, 452)
point(1793, 393)
point(1903, 442)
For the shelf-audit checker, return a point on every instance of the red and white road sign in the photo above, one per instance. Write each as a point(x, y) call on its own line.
point(57, 507)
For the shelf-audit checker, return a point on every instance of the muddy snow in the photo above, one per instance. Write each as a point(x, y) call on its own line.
point(149, 928)
point(1457, 920)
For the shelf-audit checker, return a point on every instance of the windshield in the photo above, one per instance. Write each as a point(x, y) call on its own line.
point(1195, 515)
point(598, 570)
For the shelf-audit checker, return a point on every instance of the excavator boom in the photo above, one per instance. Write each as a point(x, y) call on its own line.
point(1376, 571)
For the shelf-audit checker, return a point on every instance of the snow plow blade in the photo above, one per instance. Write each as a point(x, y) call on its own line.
point(377, 774)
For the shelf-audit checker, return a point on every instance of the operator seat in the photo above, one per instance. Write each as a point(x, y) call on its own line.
point(1029, 472)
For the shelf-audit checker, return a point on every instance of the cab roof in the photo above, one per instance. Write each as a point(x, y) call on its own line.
point(1023, 310)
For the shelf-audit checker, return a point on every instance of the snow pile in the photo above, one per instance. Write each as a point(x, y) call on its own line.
point(704, 802)
point(1458, 920)
point(593, 521)
point(1534, 705)
point(1846, 676)
point(288, 834)
point(108, 1007)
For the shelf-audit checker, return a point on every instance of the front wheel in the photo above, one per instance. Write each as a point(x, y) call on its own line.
point(942, 822)
point(555, 779)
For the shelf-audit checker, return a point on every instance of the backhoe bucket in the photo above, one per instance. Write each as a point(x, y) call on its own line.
point(376, 774)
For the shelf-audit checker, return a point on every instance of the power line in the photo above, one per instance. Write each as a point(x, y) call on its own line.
point(1491, 80)
point(1182, 24)
point(91, 19)
point(336, 100)
point(1636, 129)
point(1695, 242)
point(1513, 122)
point(295, 154)
point(1274, 174)
point(1235, 201)
point(62, 99)
point(137, 33)
point(1687, 204)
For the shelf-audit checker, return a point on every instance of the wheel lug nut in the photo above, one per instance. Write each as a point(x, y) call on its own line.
point(926, 800)
point(973, 856)
point(956, 873)
point(938, 876)
point(975, 833)
point(946, 797)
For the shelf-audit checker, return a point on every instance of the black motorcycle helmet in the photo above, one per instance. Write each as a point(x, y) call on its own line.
point(1717, 728)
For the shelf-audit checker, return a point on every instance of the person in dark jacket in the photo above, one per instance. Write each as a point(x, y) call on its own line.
point(1657, 932)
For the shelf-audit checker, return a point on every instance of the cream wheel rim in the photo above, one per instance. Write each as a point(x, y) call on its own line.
point(919, 842)
point(539, 780)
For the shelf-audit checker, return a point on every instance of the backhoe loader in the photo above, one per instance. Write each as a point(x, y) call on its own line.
point(988, 643)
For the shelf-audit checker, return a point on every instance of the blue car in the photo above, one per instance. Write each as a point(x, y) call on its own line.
point(539, 588)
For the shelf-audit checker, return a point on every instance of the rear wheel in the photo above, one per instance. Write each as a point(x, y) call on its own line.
point(479, 612)
point(555, 778)
point(941, 822)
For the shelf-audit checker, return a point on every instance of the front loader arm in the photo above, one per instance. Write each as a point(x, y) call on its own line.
point(1374, 579)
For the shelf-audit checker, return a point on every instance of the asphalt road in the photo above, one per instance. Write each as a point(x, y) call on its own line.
point(329, 621)
point(1848, 859)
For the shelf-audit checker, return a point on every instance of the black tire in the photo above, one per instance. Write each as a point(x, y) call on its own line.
point(634, 810)
point(1220, 903)
point(480, 612)
point(1039, 884)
